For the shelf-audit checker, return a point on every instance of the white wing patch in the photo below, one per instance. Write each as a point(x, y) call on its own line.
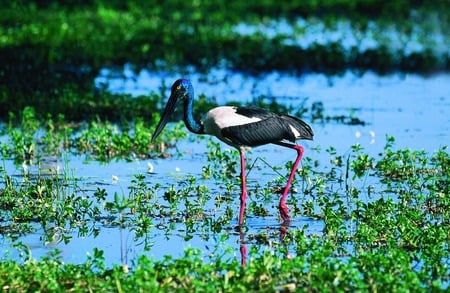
point(222, 117)
point(294, 131)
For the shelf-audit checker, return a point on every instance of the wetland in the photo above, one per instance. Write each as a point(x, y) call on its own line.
point(87, 202)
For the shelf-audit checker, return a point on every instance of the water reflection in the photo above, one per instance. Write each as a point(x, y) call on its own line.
point(242, 247)
point(244, 240)
point(307, 32)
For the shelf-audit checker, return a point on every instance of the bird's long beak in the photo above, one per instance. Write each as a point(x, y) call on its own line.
point(170, 108)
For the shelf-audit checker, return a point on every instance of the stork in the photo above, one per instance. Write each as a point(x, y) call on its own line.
point(242, 128)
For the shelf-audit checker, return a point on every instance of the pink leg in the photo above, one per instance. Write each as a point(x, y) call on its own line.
point(283, 208)
point(243, 189)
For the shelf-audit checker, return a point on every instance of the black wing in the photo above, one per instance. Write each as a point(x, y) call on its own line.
point(273, 129)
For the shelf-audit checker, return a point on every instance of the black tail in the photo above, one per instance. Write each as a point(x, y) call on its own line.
point(301, 126)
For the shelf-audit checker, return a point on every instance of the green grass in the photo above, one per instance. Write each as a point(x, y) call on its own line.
point(317, 271)
point(386, 223)
point(34, 138)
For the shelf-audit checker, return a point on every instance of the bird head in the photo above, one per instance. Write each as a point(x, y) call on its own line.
point(182, 90)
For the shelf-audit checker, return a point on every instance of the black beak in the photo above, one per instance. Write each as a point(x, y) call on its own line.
point(170, 108)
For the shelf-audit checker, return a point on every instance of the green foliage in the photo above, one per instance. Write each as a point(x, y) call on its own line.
point(392, 237)
point(35, 138)
point(223, 164)
point(48, 198)
point(383, 221)
point(50, 54)
point(316, 270)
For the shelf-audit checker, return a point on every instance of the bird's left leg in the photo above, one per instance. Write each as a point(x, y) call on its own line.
point(284, 211)
point(243, 187)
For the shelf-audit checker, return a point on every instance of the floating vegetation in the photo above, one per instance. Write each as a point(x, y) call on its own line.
point(373, 217)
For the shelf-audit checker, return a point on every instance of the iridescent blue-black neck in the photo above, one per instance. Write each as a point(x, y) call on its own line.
point(191, 124)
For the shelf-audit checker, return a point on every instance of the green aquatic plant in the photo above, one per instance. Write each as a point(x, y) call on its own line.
point(51, 200)
point(396, 238)
point(106, 141)
point(21, 142)
point(222, 162)
point(34, 139)
point(314, 269)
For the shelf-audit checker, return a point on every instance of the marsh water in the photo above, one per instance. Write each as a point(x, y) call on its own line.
point(414, 109)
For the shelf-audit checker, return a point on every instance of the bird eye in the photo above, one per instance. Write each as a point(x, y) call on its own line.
point(179, 87)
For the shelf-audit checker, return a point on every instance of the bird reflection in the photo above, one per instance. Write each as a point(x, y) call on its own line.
point(284, 230)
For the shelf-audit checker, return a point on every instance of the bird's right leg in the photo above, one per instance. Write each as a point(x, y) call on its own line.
point(283, 208)
point(243, 187)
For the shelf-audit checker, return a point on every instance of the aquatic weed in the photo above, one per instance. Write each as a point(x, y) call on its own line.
point(51, 200)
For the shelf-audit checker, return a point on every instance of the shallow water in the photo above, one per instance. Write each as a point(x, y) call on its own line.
point(413, 109)
point(307, 32)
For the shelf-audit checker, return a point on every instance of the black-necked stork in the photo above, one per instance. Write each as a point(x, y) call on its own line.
point(240, 127)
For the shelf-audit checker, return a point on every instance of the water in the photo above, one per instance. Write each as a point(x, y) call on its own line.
point(412, 108)
point(307, 32)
